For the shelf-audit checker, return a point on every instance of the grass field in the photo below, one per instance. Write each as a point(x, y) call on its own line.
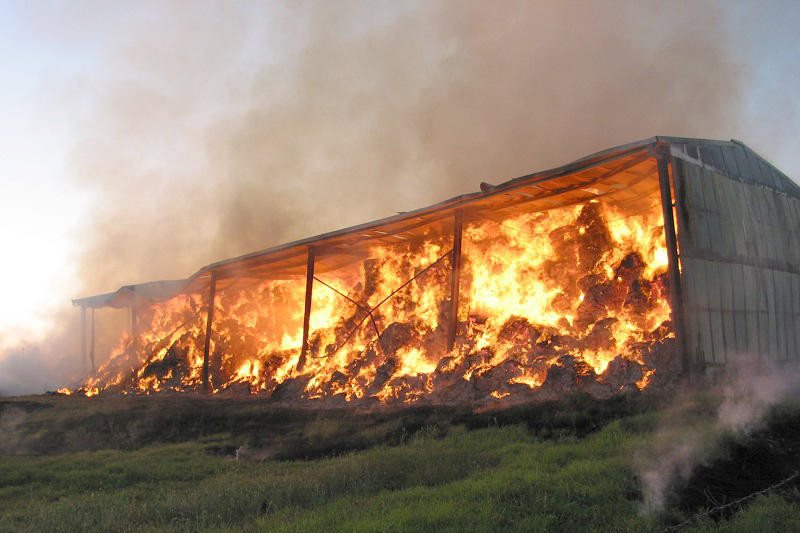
point(169, 464)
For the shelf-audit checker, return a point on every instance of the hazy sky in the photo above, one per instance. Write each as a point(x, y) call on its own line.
point(142, 140)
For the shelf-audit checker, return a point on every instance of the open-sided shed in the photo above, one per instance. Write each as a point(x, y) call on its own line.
point(730, 220)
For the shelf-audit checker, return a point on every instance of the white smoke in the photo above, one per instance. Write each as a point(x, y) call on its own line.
point(691, 431)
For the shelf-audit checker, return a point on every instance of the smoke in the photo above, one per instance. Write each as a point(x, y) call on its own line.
point(210, 130)
point(691, 431)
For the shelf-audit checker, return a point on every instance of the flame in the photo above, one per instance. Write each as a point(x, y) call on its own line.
point(567, 291)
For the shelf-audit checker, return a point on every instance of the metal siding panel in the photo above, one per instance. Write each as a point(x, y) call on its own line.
point(772, 315)
point(728, 333)
point(745, 226)
point(789, 230)
point(779, 314)
point(689, 281)
point(795, 280)
point(679, 173)
point(714, 300)
point(793, 229)
point(748, 228)
point(690, 311)
point(716, 158)
point(742, 164)
point(706, 155)
point(731, 168)
point(755, 168)
point(709, 196)
point(726, 305)
point(712, 284)
point(725, 246)
point(773, 231)
point(694, 186)
point(726, 285)
point(796, 314)
point(751, 306)
point(740, 323)
point(706, 338)
point(687, 198)
point(701, 310)
point(766, 244)
point(753, 172)
point(700, 230)
point(718, 337)
point(739, 306)
point(781, 218)
point(763, 315)
point(788, 318)
point(752, 332)
point(773, 178)
point(737, 212)
point(781, 180)
point(715, 233)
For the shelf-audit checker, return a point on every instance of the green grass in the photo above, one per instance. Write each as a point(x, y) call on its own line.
point(412, 471)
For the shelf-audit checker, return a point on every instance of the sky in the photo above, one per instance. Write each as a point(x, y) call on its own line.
point(143, 140)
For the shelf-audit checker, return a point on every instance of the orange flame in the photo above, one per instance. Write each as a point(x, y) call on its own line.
point(561, 292)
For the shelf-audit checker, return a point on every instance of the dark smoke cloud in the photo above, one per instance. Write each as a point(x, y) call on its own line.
point(216, 129)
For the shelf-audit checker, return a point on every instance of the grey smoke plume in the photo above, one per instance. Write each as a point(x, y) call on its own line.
point(688, 436)
point(216, 129)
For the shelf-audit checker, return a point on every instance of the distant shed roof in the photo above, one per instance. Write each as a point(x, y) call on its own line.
point(153, 291)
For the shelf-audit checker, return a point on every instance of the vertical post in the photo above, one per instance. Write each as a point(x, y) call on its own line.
point(91, 342)
point(307, 310)
point(134, 331)
point(83, 339)
point(675, 291)
point(209, 321)
point(455, 278)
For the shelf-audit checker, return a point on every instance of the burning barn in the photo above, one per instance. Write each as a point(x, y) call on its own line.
point(627, 267)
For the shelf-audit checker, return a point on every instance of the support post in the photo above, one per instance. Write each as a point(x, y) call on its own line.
point(675, 291)
point(307, 310)
point(83, 339)
point(91, 343)
point(134, 330)
point(209, 322)
point(455, 278)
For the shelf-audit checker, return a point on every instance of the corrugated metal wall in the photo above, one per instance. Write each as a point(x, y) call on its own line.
point(739, 245)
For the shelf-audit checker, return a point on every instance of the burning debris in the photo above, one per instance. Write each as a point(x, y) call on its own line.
point(567, 299)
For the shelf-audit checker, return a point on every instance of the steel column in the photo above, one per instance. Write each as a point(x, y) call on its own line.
point(134, 331)
point(91, 343)
point(307, 310)
point(83, 339)
point(209, 322)
point(455, 278)
point(675, 291)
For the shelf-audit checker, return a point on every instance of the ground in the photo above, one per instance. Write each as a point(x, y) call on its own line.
point(193, 464)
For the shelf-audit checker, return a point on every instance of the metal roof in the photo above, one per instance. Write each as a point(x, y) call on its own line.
point(621, 174)
point(153, 291)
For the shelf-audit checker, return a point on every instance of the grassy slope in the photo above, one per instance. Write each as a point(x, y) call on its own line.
point(419, 471)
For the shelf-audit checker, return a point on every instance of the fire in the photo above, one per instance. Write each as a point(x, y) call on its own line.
point(566, 297)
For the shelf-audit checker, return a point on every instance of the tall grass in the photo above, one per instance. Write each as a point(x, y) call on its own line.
point(523, 470)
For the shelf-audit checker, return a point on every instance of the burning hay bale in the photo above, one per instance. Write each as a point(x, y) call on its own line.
point(396, 336)
point(569, 375)
point(621, 373)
